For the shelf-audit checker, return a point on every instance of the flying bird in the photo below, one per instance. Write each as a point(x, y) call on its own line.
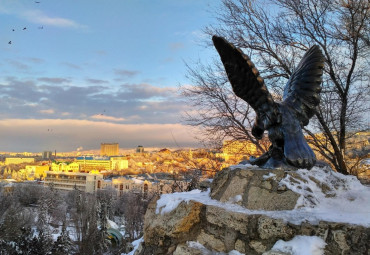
point(283, 120)
point(13, 29)
point(37, 2)
point(24, 28)
point(10, 42)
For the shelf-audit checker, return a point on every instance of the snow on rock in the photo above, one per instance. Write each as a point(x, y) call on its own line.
point(330, 195)
point(198, 246)
point(268, 176)
point(244, 166)
point(325, 195)
point(301, 245)
point(169, 202)
point(237, 198)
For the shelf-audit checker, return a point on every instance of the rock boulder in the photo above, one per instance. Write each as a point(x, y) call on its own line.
point(242, 215)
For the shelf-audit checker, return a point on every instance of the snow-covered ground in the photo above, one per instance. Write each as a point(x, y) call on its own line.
point(325, 196)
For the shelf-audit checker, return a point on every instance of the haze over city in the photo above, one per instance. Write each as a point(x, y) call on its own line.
point(77, 73)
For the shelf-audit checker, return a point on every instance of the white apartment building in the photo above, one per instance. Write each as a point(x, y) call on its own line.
point(70, 181)
point(143, 184)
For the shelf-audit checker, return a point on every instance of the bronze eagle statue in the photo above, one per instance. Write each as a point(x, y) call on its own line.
point(283, 120)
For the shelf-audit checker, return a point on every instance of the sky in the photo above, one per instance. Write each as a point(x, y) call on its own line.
point(74, 74)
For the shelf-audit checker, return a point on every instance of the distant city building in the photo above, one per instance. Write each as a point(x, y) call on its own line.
point(70, 181)
point(118, 163)
point(47, 154)
point(37, 172)
point(159, 183)
point(239, 147)
point(63, 167)
point(88, 164)
point(140, 149)
point(109, 149)
point(19, 160)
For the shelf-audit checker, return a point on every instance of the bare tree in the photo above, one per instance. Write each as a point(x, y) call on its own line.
point(275, 34)
point(134, 207)
point(215, 108)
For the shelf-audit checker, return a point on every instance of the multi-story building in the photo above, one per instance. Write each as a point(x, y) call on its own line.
point(109, 149)
point(160, 183)
point(63, 167)
point(17, 160)
point(140, 149)
point(47, 154)
point(88, 164)
point(36, 171)
point(70, 181)
point(119, 163)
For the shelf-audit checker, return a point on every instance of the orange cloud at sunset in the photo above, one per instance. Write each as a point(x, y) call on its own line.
point(68, 134)
point(106, 117)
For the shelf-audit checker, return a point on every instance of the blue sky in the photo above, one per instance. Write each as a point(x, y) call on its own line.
point(78, 73)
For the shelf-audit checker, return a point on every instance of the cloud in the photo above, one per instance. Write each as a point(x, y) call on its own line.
point(67, 135)
point(39, 17)
point(134, 103)
point(48, 111)
point(72, 66)
point(106, 117)
point(96, 81)
point(17, 64)
point(36, 60)
point(125, 73)
point(54, 80)
point(144, 91)
point(176, 46)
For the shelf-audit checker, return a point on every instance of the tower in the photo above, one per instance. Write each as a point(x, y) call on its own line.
point(109, 149)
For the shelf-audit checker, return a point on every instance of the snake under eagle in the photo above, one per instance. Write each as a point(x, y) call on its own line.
point(283, 120)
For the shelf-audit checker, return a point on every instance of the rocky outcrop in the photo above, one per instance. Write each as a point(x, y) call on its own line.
point(254, 189)
point(239, 218)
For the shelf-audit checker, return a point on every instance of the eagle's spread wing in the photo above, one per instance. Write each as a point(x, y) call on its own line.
point(247, 84)
point(302, 92)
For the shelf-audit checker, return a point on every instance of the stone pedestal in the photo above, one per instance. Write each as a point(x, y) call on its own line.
point(208, 227)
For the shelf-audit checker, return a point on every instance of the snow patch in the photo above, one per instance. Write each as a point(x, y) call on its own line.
point(330, 194)
point(301, 245)
point(325, 196)
point(169, 202)
point(268, 176)
point(136, 245)
point(205, 251)
point(243, 166)
point(236, 199)
point(137, 181)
